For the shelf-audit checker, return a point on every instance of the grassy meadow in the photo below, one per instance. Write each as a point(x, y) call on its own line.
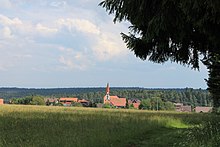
point(28, 126)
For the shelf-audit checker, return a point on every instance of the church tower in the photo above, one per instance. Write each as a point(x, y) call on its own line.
point(107, 92)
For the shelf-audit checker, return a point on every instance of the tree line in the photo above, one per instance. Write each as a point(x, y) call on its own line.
point(187, 96)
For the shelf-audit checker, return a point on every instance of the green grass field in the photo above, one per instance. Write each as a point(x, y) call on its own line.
point(28, 126)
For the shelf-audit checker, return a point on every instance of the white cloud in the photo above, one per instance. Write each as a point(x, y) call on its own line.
point(109, 46)
point(5, 21)
point(74, 60)
point(71, 63)
point(6, 32)
point(67, 62)
point(104, 42)
point(81, 25)
point(24, 29)
point(66, 50)
point(45, 30)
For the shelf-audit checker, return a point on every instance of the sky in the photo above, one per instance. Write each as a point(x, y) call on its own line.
point(74, 43)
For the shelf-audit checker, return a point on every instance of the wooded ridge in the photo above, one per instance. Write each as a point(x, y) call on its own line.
point(188, 96)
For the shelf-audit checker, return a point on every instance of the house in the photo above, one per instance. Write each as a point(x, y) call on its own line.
point(84, 102)
point(178, 106)
point(186, 108)
point(181, 108)
point(135, 103)
point(114, 100)
point(67, 101)
point(51, 101)
point(199, 109)
point(1, 101)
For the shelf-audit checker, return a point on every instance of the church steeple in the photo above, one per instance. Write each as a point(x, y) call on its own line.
point(107, 92)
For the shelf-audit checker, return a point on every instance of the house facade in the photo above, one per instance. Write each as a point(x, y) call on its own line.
point(135, 102)
point(1, 101)
point(51, 101)
point(181, 108)
point(84, 102)
point(199, 109)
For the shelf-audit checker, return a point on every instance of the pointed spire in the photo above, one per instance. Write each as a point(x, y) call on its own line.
point(107, 89)
point(107, 92)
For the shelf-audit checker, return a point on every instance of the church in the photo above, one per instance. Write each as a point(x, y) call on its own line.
point(114, 100)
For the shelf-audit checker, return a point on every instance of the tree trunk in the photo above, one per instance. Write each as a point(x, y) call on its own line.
point(213, 81)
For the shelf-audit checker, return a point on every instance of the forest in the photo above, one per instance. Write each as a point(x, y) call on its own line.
point(187, 96)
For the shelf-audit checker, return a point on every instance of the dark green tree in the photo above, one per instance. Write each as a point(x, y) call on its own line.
point(169, 106)
point(38, 100)
point(180, 31)
point(146, 104)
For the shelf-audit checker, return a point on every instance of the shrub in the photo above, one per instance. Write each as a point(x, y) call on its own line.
point(38, 100)
point(76, 104)
point(106, 106)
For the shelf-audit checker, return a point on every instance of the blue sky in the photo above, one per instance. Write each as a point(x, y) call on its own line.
point(74, 43)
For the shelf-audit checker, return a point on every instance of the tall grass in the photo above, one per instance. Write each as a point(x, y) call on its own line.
point(206, 134)
point(65, 126)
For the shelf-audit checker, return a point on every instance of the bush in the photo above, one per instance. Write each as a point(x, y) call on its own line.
point(106, 106)
point(218, 110)
point(76, 104)
point(37, 100)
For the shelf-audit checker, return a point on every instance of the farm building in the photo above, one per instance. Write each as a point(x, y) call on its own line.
point(135, 103)
point(51, 101)
point(1, 101)
point(84, 102)
point(67, 100)
point(181, 108)
point(114, 100)
point(203, 109)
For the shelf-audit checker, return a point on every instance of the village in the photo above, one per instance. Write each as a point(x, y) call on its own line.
point(114, 101)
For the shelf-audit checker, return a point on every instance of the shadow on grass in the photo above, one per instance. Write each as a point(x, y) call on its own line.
point(161, 137)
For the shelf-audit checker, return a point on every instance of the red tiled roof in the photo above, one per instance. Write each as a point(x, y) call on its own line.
point(116, 101)
point(135, 103)
point(83, 101)
point(68, 99)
